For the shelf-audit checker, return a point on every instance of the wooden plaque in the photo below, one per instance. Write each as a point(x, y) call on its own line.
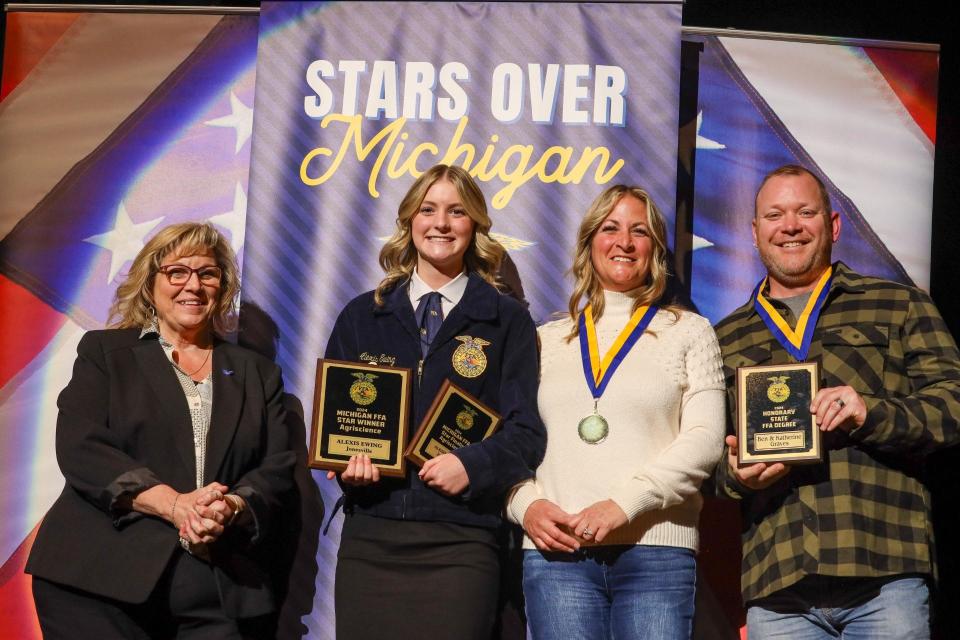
point(774, 423)
point(455, 419)
point(360, 408)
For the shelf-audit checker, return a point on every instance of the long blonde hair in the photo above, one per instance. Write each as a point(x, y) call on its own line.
point(398, 257)
point(587, 283)
point(133, 303)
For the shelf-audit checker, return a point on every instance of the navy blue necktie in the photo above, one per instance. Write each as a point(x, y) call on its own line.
point(429, 318)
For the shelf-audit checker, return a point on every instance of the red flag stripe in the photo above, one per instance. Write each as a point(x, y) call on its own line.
point(29, 37)
point(913, 77)
point(27, 325)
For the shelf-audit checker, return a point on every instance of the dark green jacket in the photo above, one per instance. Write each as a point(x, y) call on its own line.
point(864, 511)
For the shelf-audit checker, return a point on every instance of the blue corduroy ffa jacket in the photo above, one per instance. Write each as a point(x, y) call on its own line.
point(508, 384)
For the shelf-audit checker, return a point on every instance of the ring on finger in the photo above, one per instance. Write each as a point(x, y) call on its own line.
point(587, 533)
point(840, 403)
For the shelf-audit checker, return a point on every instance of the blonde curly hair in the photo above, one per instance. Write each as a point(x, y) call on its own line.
point(587, 283)
point(398, 257)
point(133, 303)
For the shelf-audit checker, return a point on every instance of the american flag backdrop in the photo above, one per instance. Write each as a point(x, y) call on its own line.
point(863, 117)
point(111, 126)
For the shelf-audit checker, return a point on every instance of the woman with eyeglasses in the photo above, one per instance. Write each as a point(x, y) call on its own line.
point(175, 454)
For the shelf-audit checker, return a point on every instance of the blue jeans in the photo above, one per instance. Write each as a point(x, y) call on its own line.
point(821, 607)
point(616, 592)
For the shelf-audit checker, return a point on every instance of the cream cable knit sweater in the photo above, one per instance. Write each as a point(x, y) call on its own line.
point(665, 407)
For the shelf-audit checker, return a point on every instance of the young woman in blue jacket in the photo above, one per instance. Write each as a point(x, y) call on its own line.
point(418, 555)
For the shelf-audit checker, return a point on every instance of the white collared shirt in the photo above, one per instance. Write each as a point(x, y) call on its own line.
point(450, 293)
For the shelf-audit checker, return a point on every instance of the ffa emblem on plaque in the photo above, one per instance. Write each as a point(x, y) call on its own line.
point(778, 391)
point(362, 391)
point(465, 418)
point(469, 360)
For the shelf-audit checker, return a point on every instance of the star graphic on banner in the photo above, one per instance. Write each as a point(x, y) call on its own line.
point(706, 143)
point(240, 118)
point(234, 220)
point(125, 240)
point(510, 243)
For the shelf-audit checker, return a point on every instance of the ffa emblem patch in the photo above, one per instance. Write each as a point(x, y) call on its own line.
point(469, 360)
point(465, 418)
point(362, 391)
point(778, 391)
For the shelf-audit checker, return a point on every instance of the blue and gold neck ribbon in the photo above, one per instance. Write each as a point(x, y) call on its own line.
point(598, 373)
point(795, 341)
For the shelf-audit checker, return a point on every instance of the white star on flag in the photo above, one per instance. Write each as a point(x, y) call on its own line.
point(125, 240)
point(700, 242)
point(234, 220)
point(240, 119)
point(706, 143)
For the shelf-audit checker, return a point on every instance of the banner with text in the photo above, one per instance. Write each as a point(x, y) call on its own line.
point(545, 104)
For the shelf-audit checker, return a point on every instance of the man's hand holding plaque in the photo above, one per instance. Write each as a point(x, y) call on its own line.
point(360, 411)
point(839, 408)
point(774, 422)
point(455, 419)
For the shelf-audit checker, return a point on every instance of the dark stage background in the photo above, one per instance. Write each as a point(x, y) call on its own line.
point(900, 21)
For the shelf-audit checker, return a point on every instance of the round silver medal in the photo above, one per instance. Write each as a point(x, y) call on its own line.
point(593, 429)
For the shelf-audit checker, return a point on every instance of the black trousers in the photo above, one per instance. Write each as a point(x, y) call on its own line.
point(185, 604)
point(403, 579)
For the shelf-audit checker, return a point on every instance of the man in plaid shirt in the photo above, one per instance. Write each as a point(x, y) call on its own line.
point(840, 548)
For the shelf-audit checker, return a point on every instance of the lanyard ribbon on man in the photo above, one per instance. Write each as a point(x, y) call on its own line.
point(795, 341)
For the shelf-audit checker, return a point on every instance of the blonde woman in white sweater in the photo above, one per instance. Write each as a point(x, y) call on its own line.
point(632, 398)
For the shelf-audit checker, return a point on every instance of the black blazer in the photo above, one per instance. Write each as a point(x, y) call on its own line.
point(124, 426)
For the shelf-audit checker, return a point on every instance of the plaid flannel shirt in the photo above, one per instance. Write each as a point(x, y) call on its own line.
point(863, 512)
